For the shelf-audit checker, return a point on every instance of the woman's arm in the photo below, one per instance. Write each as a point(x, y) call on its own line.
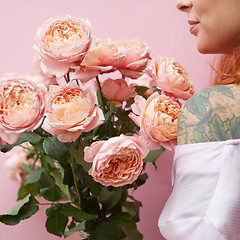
point(211, 115)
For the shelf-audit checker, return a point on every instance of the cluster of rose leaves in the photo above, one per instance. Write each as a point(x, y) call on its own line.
point(95, 112)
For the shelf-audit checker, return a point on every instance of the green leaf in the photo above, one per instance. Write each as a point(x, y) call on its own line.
point(109, 113)
point(108, 198)
point(79, 172)
point(153, 155)
point(54, 148)
point(95, 187)
point(108, 231)
point(140, 180)
point(47, 162)
point(23, 210)
point(130, 102)
point(76, 213)
point(219, 129)
point(78, 155)
point(130, 208)
point(79, 227)
point(32, 189)
point(91, 205)
point(31, 137)
point(48, 188)
point(34, 176)
point(141, 89)
point(120, 217)
point(132, 232)
point(58, 175)
point(56, 221)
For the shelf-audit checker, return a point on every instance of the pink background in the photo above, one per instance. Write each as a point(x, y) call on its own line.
point(156, 22)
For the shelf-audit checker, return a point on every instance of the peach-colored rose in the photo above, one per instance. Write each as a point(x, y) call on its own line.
point(73, 111)
point(22, 106)
point(103, 57)
point(135, 57)
point(61, 41)
point(157, 118)
point(117, 161)
point(171, 77)
point(117, 89)
point(41, 78)
point(13, 162)
point(145, 81)
point(15, 159)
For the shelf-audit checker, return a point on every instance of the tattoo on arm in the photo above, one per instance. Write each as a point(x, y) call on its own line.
point(211, 115)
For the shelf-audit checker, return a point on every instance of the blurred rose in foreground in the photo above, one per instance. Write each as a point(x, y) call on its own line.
point(171, 77)
point(22, 106)
point(117, 90)
point(14, 160)
point(117, 161)
point(60, 42)
point(73, 111)
point(157, 118)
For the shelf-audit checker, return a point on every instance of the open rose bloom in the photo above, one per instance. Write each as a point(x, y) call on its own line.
point(171, 77)
point(22, 106)
point(157, 118)
point(117, 90)
point(73, 111)
point(60, 42)
point(130, 57)
point(117, 161)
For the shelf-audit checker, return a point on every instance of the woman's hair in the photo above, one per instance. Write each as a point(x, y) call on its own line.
point(228, 69)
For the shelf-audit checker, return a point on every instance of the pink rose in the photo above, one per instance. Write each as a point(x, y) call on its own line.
point(117, 161)
point(135, 57)
point(145, 81)
point(13, 162)
point(22, 106)
point(117, 90)
point(171, 77)
point(60, 42)
point(15, 159)
point(41, 78)
point(103, 57)
point(157, 118)
point(73, 111)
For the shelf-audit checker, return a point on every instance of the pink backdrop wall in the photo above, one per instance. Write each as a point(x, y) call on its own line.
point(156, 22)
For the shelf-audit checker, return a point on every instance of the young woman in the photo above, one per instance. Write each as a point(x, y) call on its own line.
point(205, 202)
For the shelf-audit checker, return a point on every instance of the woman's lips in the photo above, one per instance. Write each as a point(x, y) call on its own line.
point(193, 26)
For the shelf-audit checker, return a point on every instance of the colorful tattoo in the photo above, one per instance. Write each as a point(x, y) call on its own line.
point(211, 115)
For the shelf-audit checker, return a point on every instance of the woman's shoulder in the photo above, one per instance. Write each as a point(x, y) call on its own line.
point(211, 115)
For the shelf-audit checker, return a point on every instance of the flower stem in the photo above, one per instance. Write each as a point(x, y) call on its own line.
point(100, 97)
point(67, 77)
point(80, 197)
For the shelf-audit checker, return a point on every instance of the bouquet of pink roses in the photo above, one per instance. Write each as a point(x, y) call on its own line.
point(85, 125)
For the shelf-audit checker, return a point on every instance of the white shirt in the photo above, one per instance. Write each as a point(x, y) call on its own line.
point(205, 202)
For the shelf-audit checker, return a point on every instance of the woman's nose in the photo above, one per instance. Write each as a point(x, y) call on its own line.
point(184, 5)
